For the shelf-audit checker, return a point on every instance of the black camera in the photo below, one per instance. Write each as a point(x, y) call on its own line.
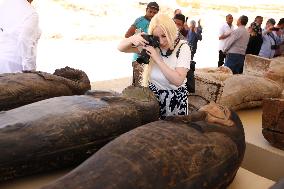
point(153, 41)
point(274, 47)
point(275, 29)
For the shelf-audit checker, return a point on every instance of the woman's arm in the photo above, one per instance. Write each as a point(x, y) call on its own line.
point(176, 76)
point(132, 43)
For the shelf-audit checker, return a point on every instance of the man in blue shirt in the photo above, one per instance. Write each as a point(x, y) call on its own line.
point(270, 39)
point(141, 24)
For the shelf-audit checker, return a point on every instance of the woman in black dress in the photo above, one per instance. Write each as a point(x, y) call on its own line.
point(255, 40)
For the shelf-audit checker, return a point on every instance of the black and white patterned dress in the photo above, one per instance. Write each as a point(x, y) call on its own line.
point(172, 102)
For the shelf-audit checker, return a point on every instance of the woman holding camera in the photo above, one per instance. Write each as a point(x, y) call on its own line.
point(169, 63)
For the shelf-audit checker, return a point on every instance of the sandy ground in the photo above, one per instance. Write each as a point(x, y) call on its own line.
point(115, 85)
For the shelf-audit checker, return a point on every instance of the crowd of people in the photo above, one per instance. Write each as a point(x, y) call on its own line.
point(236, 42)
point(267, 42)
point(166, 71)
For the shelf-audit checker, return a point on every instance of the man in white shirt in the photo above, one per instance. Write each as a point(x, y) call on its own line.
point(19, 34)
point(236, 45)
point(224, 33)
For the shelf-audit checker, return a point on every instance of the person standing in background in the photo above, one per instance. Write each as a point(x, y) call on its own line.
point(258, 20)
point(236, 45)
point(279, 31)
point(179, 20)
point(224, 33)
point(255, 39)
point(19, 35)
point(141, 24)
point(193, 36)
point(269, 44)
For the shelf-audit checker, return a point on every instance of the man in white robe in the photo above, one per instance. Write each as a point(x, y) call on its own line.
point(19, 35)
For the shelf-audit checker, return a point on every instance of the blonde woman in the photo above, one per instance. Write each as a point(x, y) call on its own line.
point(169, 64)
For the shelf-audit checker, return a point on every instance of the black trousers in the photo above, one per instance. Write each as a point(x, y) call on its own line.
point(192, 50)
point(222, 57)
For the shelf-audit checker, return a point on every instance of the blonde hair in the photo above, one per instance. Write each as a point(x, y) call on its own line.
point(170, 29)
point(167, 25)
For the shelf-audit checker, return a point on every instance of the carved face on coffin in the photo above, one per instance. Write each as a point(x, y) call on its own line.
point(217, 114)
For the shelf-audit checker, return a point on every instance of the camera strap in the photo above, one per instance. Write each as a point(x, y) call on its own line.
point(272, 36)
point(178, 51)
point(169, 51)
point(190, 83)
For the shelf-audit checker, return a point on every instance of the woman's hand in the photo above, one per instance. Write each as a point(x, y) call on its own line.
point(132, 44)
point(152, 52)
point(137, 40)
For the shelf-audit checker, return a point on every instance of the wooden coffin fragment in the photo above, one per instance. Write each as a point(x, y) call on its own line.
point(269, 68)
point(234, 91)
point(18, 89)
point(273, 121)
point(64, 131)
point(203, 150)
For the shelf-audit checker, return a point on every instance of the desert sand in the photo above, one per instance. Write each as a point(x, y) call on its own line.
point(115, 84)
